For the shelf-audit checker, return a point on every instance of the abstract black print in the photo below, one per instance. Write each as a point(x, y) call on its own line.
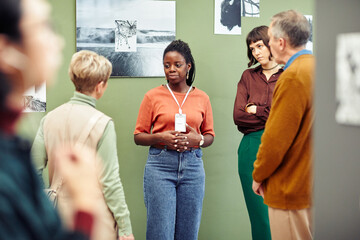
point(250, 8)
point(227, 17)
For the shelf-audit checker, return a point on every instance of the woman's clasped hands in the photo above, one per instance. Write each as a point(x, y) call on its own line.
point(182, 141)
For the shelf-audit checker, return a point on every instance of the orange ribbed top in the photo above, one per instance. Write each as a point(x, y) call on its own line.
point(158, 108)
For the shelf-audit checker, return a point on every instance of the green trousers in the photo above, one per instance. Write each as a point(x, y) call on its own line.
point(258, 211)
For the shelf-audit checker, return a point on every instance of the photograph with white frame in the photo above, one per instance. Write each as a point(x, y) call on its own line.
point(227, 19)
point(35, 99)
point(250, 8)
point(310, 43)
point(348, 79)
point(125, 35)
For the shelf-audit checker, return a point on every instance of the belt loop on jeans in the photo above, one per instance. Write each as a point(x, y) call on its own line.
point(167, 148)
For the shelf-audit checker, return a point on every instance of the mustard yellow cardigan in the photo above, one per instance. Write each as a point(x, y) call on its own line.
point(285, 157)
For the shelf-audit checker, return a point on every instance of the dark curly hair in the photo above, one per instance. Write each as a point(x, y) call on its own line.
point(184, 49)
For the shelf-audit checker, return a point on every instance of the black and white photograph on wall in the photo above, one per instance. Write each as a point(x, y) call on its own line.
point(35, 99)
point(132, 34)
point(309, 44)
point(250, 8)
point(348, 79)
point(227, 17)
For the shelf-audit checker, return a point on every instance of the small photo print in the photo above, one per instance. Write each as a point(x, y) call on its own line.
point(348, 79)
point(250, 8)
point(34, 99)
point(125, 35)
point(309, 44)
point(227, 18)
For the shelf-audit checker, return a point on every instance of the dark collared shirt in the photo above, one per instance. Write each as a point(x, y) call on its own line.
point(253, 87)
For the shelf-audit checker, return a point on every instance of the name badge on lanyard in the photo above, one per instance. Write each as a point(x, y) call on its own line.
point(180, 122)
point(180, 118)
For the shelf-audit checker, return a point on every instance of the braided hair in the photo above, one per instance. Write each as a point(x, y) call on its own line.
point(184, 49)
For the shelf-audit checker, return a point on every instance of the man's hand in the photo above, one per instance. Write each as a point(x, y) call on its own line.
point(258, 188)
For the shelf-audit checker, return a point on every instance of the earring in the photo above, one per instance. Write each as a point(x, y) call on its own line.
point(187, 75)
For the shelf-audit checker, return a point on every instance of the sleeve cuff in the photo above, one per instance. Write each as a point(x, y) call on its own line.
point(125, 227)
point(255, 178)
point(260, 111)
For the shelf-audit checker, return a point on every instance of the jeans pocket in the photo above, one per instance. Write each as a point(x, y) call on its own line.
point(155, 151)
point(198, 153)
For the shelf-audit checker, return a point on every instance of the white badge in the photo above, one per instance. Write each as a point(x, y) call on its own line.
point(180, 122)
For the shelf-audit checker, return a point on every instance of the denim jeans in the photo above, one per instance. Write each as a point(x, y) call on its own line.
point(174, 187)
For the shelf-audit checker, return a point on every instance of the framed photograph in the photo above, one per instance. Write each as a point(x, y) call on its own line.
point(227, 17)
point(132, 34)
point(250, 8)
point(309, 44)
point(34, 99)
point(348, 79)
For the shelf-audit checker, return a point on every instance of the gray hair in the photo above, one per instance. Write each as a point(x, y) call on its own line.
point(292, 26)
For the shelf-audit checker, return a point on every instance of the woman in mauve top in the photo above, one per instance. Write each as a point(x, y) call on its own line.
point(175, 120)
point(251, 110)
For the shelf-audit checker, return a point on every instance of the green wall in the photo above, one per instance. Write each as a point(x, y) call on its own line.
point(220, 61)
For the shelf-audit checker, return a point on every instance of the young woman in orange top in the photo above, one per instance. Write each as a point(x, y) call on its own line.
point(175, 120)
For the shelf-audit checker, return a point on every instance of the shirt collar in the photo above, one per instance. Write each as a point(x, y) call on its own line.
point(259, 69)
point(84, 99)
point(295, 56)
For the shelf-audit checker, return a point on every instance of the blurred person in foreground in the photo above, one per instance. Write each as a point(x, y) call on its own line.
point(283, 168)
point(79, 121)
point(29, 56)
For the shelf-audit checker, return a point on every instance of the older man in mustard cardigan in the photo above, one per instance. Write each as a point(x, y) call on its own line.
point(283, 169)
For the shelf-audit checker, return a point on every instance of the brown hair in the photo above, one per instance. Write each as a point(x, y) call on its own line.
point(257, 34)
point(87, 69)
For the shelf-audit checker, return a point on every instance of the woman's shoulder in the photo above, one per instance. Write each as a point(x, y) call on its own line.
point(249, 74)
point(200, 92)
point(155, 90)
point(253, 69)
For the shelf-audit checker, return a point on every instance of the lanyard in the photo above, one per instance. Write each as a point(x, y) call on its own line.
point(180, 111)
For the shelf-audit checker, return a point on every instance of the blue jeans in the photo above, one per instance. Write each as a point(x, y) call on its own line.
point(174, 187)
